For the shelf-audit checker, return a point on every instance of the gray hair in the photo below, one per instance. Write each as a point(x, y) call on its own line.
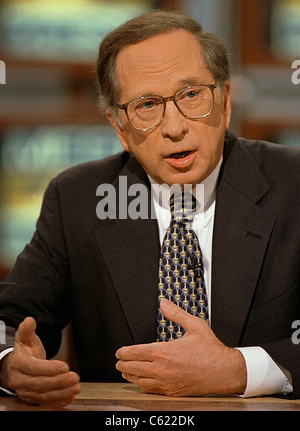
point(144, 27)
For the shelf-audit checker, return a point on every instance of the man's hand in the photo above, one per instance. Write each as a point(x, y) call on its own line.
point(196, 364)
point(33, 378)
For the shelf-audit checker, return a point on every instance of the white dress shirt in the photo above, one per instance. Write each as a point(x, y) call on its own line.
point(264, 377)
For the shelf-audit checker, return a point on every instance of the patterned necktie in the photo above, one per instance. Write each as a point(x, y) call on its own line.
point(181, 277)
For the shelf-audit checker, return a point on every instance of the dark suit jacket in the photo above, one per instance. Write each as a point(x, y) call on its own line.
point(102, 274)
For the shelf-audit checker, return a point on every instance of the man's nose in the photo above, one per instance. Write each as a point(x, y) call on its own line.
point(174, 125)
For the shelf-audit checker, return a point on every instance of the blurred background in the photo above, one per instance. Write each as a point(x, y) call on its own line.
point(48, 114)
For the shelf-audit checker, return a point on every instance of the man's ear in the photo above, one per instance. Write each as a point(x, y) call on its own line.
point(227, 103)
point(115, 122)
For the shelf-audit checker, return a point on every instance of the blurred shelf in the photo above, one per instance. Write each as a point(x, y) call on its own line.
point(270, 130)
point(258, 19)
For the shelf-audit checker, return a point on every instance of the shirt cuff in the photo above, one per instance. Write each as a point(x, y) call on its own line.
point(264, 377)
point(2, 354)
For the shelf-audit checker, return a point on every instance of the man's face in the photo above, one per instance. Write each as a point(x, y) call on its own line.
point(179, 150)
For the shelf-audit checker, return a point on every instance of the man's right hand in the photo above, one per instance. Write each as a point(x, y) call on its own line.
point(36, 380)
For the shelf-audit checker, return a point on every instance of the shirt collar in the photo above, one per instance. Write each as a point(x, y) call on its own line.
point(209, 185)
point(161, 205)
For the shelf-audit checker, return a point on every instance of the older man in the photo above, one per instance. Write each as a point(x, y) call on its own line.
point(164, 85)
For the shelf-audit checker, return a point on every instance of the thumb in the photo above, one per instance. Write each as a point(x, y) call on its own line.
point(26, 337)
point(176, 314)
point(26, 331)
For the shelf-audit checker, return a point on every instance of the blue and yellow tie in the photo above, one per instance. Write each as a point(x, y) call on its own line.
point(181, 277)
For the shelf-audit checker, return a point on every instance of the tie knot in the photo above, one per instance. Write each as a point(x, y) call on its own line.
point(182, 206)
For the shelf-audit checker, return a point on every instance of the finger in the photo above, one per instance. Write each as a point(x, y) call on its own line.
point(56, 390)
point(139, 352)
point(27, 339)
point(43, 384)
point(176, 314)
point(62, 397)
point(136, 368)
point(39, 367)
point(148, 385)
point(137, 380)
point(26, 330)
point(55, 398)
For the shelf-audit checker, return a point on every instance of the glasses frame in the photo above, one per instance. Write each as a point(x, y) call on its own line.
point(172, 98)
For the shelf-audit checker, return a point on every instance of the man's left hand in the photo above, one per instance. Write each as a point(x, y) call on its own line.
point(196, 364)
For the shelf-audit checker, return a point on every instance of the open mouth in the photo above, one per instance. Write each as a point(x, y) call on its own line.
point(182, 159)
point(181, 155)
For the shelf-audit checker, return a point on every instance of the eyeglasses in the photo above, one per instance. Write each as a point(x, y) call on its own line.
point(147, 112)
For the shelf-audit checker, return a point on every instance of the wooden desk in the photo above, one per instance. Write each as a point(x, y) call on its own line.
point(127, 397)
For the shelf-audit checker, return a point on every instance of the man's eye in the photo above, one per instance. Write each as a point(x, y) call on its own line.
point(147, 105)
point(192, 94)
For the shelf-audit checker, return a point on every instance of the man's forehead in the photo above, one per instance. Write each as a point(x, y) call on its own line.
point(175, 57)
point(161, 44)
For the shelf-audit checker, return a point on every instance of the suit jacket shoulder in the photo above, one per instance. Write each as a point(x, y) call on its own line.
point(102, 170)
point(273, 160)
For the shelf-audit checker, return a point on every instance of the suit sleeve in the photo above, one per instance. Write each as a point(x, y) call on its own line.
point(38, 284)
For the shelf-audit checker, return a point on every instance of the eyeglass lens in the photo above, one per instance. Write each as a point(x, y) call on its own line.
point(192, 102)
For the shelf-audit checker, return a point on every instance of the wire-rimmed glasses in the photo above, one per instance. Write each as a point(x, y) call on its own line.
point(193, 102)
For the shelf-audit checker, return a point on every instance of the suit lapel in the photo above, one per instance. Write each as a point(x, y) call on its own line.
point(130, 249)
point(241, 234)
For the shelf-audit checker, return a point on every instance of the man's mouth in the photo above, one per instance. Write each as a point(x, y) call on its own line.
point(180, 155)
point(182, 159)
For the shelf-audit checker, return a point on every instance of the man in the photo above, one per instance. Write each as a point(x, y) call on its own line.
point(164, 85)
